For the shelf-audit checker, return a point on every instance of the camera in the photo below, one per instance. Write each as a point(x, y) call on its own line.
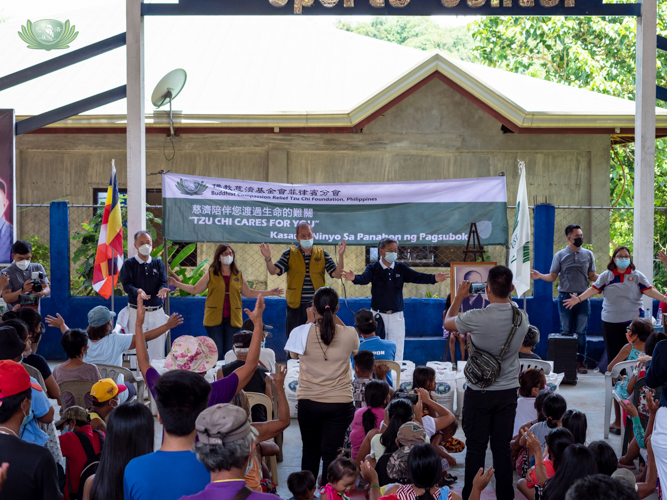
point(36, 280)
point(474, 288)
point(413, 397)
point(28, 300)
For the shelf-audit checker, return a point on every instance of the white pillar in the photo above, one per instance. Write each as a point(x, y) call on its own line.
point(645, 140)
point(136, 126)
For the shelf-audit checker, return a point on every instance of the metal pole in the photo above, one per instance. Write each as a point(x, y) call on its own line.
point(165, 261)
point(113, 275)
point(645, 140)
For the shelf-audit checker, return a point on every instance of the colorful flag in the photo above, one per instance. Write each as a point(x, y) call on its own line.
point(520, 242)
point(109, 257)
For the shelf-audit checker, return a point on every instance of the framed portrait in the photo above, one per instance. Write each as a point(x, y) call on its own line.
point(475, 272)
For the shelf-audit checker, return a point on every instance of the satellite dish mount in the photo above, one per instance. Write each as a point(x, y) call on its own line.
point(166, 90)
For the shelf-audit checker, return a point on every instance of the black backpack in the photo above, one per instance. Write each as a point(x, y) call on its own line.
point(92, 462)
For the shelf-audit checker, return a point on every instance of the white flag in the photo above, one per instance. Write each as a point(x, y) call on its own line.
point(520, 242)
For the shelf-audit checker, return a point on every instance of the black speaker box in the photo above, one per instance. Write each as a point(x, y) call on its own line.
point(562, 350)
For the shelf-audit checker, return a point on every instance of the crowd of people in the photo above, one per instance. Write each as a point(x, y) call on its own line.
point(360, 433)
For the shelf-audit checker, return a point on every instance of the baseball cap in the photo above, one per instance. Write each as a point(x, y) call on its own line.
point(99, 315)
point(242, 339)
point(14, 379)
point(194, 354)
point(106, 389)
point(411, 433)
point(626, 477)
point(11, 345)
point(73, 413)
point(223, 423)
point(363, 317)
point(250, 326)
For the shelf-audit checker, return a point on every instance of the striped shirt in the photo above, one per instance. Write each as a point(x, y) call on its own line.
point(622, 294)
point(308, 290)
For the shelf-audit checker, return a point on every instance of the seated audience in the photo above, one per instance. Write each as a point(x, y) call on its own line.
point(75, 345)
point(519, 452)
point(180, 396)
point(370, 416)
point(382, 349)
point(226, 446)
point(130, 434)
point(605, 457)
point(342, 475)
point(79, 444)
point(302, 485)
point(575, 421)
point(553, 408)
point(260, 381)
point(530, 341)
point(600, 487)
point(364, 366)
point(393, 467)
point(33, 469)
point(578, 461)
point(452, 337)
point(267, 357)
point(531, 382)
point(106, 396)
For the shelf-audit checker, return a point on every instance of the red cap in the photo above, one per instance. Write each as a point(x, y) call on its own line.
point(14, 379)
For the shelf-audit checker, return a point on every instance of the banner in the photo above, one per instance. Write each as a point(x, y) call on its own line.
point(7, 185)
point(520, 242)
point(414, 213)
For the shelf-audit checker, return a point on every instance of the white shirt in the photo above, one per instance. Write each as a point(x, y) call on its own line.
point(386, 267)
point(525, 412)
point(141, 261)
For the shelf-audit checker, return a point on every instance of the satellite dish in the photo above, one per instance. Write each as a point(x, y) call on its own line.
point(167, 89)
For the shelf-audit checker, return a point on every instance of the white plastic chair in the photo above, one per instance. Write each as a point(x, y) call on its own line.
point(255, 398)
point(540, 364)
point(608, 387)
point(394, 367)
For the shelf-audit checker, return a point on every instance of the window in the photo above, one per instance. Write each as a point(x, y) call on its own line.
point(426, 256)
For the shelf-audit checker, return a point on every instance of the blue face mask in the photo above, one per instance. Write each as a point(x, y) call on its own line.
point(391, 257)
point(306, 244)
point(65, 430)
point(622, 263)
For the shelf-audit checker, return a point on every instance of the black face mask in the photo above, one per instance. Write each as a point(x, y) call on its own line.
point(578, 242)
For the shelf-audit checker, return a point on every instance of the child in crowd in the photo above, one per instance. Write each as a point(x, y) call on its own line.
point(575, 421)
point(554, 407)
point(364, 363)
point(531, 382)
point(424, 378)
point(302, 485)
point(605, 457)
point(370, 416)
point(342, 475)
point(452, 337)
point(519, 452)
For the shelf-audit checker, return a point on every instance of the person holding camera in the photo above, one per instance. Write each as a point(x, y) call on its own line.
point(492, 373)
point(25, 278)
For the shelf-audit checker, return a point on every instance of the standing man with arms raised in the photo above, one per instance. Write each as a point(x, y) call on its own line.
point(304, 265)
point(575, 267)
point(387, 277)
point(146, 277)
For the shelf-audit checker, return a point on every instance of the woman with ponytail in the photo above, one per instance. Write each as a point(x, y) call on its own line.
point(324, 394)
point(553, 408)
point(370, 416)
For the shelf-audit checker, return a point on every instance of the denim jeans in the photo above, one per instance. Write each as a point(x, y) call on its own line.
point(222, 335)
point(575, 320)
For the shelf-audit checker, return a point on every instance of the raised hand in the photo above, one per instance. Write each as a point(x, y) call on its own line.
point(276, 292)
point(532, 443)
point(266, 251)
point(440, 277)
point(463, 290)
point(256, 314)
point(279, 376)
point(57, 322)
point(653, 405)
point(141, 310)
point(310, 314)
point(341, 248)
point(663, 257)
point(349, 275)
point(424, 396)
point(174, 320)
point(482, 478)
point(4, 281)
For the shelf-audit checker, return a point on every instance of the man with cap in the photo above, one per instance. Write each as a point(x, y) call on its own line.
point(105, 398)
point(226, 446)
point(32, 474)
point(79, 443)
point(381, 348)
point(260, 381)
point(409, 434)
point(11, 348)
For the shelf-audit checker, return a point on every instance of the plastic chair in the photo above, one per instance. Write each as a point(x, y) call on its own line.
point(608, 387)
point(394, 367)
point(255, 398)
point(540, 364)
point(111, 371)
point(78, 389)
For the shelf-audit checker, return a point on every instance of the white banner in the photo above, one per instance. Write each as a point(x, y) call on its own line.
point(520, 241)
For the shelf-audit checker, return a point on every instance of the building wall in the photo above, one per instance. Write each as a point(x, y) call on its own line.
point(433, 134)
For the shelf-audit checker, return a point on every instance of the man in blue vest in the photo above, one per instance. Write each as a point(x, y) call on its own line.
point(387, 277)
point(381, 349)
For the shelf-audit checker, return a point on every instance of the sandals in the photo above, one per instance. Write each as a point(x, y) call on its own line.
point(615, 430)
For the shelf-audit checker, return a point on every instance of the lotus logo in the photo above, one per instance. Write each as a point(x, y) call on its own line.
point(442, 388)
point(48, 34)
point(293, 385)
point(191, 188)
point(552, 387)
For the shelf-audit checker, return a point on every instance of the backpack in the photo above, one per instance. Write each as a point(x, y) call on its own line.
point(92, 462)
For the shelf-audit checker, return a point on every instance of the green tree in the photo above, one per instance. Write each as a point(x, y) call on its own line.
point(416, 32)
point(592, 53)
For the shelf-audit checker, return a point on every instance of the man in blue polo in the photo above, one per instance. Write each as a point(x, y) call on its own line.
point(381, 349)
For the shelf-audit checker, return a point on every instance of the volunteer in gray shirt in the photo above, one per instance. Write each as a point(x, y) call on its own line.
point(489, 413)
point(575, 266)
point(20, 275)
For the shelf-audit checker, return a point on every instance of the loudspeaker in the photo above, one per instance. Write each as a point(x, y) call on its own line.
point(562, 350)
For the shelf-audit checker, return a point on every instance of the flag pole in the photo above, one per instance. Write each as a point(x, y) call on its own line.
point(113, 266)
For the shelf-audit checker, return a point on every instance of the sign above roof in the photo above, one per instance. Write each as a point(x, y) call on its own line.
point(392, 8)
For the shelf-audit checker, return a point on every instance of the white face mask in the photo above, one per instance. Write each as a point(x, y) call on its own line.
point(145, 250)
point(306, 244)
point(391, 256)
point(23, 264)
point(227, 259)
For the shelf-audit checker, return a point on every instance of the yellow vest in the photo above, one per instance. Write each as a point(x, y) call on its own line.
point(217, 294)
point(296, 274)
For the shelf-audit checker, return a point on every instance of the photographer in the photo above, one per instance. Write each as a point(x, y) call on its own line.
point(489, 409)
point(20, 275)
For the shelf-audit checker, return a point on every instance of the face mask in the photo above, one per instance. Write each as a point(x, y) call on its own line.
point(26, 417)
point(391, 256)
point(145, 250)
point(227, 259)
point(23, 264)
point(578, 242)
point(622, 263)
point(65, 430)
point(306, 243)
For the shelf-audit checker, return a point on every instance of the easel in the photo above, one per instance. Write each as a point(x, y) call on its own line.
point(477, 248)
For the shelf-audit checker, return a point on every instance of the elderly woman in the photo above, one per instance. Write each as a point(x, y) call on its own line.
point(226, 446)
point(530, 341)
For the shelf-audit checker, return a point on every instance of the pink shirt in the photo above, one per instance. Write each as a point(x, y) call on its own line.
point(357, 434)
